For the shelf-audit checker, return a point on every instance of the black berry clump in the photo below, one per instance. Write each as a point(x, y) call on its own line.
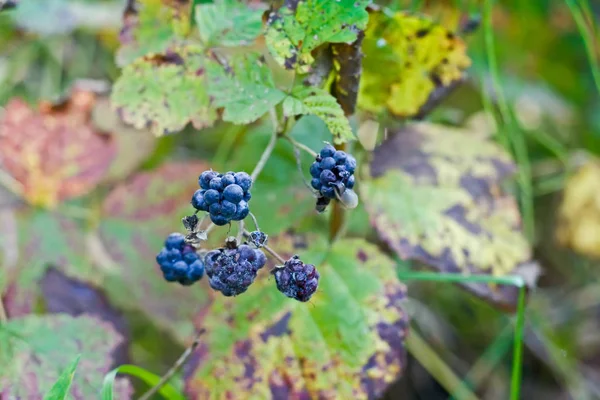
point(224, 196)
point(296, 279)
point(332, 174)
point(179, 261)
point(232, 270)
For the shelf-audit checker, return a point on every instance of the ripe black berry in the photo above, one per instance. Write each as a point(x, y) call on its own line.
point(296, 279)
point(332, 174)
point(224, 196)
point(232, 270)
point(179, 261)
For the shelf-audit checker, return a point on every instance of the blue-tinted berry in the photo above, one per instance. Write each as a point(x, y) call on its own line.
point(216, 184)
point(328, 192)
point(211, 196)
point(174, 241)
point(205, 178)
point(340, 157)
point(350, 182)
point(350, 164)
point(315, 170)
point(170, 276)
point(315, 183)
point(327, 177)
point(198, 200)
point(244, 180)
point(180, 268)
point(228, 209)
point(195, 270)
point(215, 208)
point(219, 219)
point(173, 255)
point(190, 257)
point(327, 151)
point(327, 163)
point(162, 257)
point(242, 211)
point(247, 196)
point(228, 179)
point(233, 193)
point(230, 271)
point(296, 279)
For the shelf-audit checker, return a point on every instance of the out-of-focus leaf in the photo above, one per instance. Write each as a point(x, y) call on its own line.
point(347, 61)
point(153, 26)
point(60, 389)
point(316, 101)
point(245, 89)
point(133, 145)
point(298, 28)
point(54, 152)
point(419, 55)
point(35, 349)
point(436, 198)
point(346, 343)
point(165, 92)
point(579, 214)
point(137, 217)
point(229, 23)
point(167, 390)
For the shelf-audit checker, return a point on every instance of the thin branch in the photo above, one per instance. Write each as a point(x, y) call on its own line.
point(240, 232)
point(301, 146)
point(178, 364)
point(268, 150)
point(255, 221)
point(268, 250)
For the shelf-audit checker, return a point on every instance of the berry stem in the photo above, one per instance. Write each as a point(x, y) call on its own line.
point(178, 364)
point(268, 150)
point(255, 221)
point(268, 250)
point(301, 146)
point(240, 232)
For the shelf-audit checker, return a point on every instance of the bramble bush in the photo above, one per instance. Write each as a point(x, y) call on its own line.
point(272, 272)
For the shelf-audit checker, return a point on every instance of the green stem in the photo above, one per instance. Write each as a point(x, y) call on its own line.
point(515, 382)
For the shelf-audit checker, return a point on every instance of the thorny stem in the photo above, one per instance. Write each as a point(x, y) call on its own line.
point(268, 250)
point(178, 364)
point(301, 146)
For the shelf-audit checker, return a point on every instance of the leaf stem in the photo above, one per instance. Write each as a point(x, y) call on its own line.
point(268, 250)
point(269, 149)
point(178, 364)
point(301, 146)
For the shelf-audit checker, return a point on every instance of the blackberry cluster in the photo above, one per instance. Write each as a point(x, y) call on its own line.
point(333, 170)
point(224, 196)
point(179, 261)
point(232, 270)
point(296, 279)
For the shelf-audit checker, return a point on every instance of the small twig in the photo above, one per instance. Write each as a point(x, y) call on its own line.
point(269, 250)
point(301, 146)
point(301, 171)
point(255, 221)
point(240, 232)
point(178, 364)
point(268, 150)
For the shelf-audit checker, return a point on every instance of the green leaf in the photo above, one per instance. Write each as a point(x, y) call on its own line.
point(152, 26)
point(60, 390)
point(293, 33)
point(316, 101)
point(436, 198)
point(167, 391)
point(41, 347)
point(245, 89)
point(229, 23)
point(165, 92)
point(346, 343)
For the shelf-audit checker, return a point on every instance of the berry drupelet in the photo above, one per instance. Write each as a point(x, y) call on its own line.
point(332, 174)
point(296, 279)
point(232, 270)
point(179, 261)
point(224, 196)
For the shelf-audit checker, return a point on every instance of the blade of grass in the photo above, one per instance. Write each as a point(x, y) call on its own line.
point(588, 40)
point(167, 391)
point(60, 389)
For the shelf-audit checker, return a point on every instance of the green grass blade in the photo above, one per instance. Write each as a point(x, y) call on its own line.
point(167, 391)
point(588, 40)
point(515, 382)
point(60, 389)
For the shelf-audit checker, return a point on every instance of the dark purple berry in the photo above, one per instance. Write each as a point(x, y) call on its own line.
point(327, 151)
point(229, 270)
point(228, 179)
point(189, 258)
point(244, 180)
point(350, 182)
point(198, 200)
point(228, 209)
point(215, 208)
point(218, 219)
point(174, 241)
point(205, 178)
point(195, 270)
point(340, 157)
point(180, 268)
point(233, 193)
point(216, 184)
point(327, 163)
point(173, 255)
point(328, 192)
point(211, 196)
point(170, 276)
point(242, 211)
point(162, 257)
point(247, 196)
point(327, 177)
point(315, 170)
point(350, 164)
point(315, 183)
point(296, 279)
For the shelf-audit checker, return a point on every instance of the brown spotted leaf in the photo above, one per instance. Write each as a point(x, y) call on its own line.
point(137, 217)
point(53, 152)
point(436, 198)
point(423, 60)
point(347, 342)
point(152, 26)
point(34, 350)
